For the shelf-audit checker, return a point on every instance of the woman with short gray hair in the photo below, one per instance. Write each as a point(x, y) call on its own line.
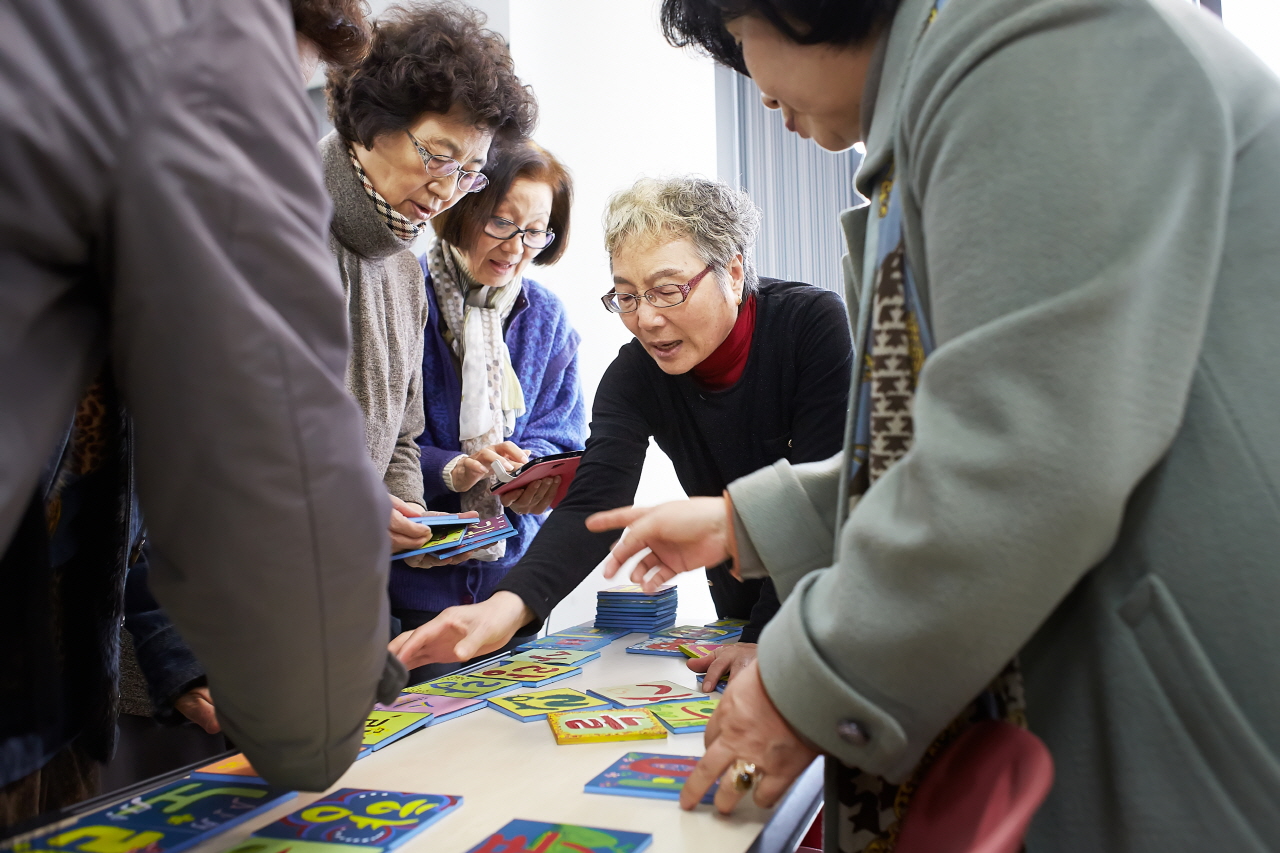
point(727, 373)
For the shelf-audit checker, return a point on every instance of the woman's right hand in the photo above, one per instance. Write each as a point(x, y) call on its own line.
point(724, 662)
point(474, 468)
point(464, 632)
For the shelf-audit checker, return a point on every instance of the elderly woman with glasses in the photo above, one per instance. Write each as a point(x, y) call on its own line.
point(413, 125)
point(506, 362)
point(728, 373)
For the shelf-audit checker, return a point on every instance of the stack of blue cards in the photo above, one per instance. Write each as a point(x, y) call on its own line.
point(451, 535)
point(631, 607)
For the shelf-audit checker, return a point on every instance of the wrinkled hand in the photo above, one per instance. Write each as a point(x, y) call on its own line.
point(478, 465)
point(464, 632)
point(747, 726)
point(725, 661)
point(681, 536)
point(405, 534)
point(197, 706)
point(533, 499)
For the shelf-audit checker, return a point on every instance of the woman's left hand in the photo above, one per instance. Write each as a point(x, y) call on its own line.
point(532, 500)
point(725, 662)
point(747, 726)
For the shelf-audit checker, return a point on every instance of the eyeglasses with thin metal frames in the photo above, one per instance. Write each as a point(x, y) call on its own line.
point(531, 237)
point(616, 303)
point(439, 166)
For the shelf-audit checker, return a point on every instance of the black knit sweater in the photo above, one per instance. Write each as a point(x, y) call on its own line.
point(789, 403)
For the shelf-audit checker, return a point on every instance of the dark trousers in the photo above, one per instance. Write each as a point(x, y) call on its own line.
point(66, 779)
point(410, 619)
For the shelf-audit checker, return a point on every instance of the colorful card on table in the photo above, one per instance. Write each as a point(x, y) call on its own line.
point(699, 650)
point(634, 590)
point(697, 632)
point(380, 819)
point(638, 695)
point(466, 686)
point(648, 774)
point(724, 682)
point(560, 657)
point(728, 623)
point(667, 647)
point(235, 768)
point(254, 844)
point(587, 629)
point(526, 707)
point(170, 818)
point(528, 674)
point(553, 641)
point(601, 726)
point(534, 836)
point(440, 708)
point(384, 727)
point(686, 717)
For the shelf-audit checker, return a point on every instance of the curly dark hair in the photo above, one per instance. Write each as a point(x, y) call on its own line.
point(337, 27)
point(430, 58)
point(462, 224)
point(700, 23)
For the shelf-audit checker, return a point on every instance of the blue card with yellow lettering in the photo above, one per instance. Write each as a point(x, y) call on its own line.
point(381, 819)
point(170, 818)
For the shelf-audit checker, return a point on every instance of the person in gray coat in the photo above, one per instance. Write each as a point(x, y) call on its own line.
point(1065, 445)
point(162, 216)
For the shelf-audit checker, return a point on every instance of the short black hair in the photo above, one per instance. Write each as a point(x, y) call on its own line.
point(430, 58)
point(701, 23)
point(462, 224)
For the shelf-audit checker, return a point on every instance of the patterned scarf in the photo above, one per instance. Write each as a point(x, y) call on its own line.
point(897, 341)
point(397, 222)
point(492, 399)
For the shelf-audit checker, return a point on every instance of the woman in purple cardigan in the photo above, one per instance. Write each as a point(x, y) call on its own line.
point(500, 372)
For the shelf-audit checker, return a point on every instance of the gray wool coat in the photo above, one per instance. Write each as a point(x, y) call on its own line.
point(1092, 211)
point(161, 204)
point(387, 311)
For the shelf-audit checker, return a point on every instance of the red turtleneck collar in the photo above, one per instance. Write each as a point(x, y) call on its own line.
point(724, 367)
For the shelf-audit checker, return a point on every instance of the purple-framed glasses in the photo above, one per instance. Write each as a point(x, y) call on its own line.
point(662, 296)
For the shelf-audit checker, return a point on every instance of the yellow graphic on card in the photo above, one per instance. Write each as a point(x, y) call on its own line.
point(236, 765)
point(560, 657)
point(463, 686)
point(540, 702)
point(698, 650)
point(686, 715)
point(525, 671)
point(384, 724)
point(635, 695)
point(601, 726)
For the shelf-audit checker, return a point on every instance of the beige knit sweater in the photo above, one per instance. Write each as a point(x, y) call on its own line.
point(387, 311)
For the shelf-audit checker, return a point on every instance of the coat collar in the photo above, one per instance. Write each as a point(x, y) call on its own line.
point(357, 225)
point(880, 107)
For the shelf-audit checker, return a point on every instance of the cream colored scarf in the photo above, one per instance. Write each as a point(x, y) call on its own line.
point(492, 398)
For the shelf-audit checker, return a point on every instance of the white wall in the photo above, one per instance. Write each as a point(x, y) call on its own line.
point(1257, 24)
point(617, 102)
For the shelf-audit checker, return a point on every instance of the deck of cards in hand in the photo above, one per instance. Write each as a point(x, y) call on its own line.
point(631, 607)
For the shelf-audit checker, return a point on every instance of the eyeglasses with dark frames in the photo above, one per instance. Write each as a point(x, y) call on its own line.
point(504, 229)
point(439, 166)
point(662, 296)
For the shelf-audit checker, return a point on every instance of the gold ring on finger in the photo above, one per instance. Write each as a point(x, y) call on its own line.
point(744, 775)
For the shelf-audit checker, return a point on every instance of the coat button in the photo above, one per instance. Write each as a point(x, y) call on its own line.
point(852, 732)
point(789, 444)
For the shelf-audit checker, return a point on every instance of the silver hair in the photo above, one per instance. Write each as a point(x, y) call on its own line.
point(720, 221)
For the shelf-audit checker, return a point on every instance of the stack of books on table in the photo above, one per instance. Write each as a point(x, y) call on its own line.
point(631, 607)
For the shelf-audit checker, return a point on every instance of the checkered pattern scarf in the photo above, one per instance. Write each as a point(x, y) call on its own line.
point(397, 222)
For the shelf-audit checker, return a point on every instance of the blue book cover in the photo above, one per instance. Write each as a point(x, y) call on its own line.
point(647, 774)
point(664, 647)
point(535, 836)
point(381, 819)
point(172, 817)
point(582, 644)
point(386, 727)
point(588, 629)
